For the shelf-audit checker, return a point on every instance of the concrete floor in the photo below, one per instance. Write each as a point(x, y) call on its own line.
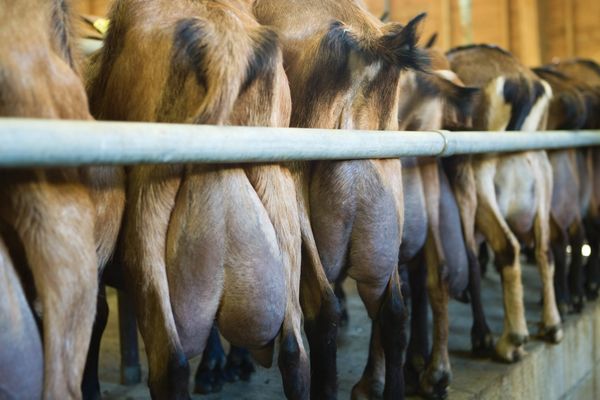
point(569, 370)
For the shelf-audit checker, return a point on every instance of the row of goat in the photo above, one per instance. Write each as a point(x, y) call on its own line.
point(260, 251)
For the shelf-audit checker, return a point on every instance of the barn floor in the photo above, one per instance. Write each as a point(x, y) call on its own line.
point(570, 370)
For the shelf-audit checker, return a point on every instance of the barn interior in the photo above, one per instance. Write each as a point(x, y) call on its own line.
point(536, 32)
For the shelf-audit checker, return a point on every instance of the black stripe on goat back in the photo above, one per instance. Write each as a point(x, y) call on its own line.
point(546, 71)
point(187, 56)
point(591, 64)
point(263, 62)
point(522, 96)
point(330, 71)
point(189, 52)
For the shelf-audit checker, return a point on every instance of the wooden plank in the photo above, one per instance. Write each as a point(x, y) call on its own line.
point(445, 34)
point(569, 27)
point(586, 22)
point(525, 31)
point(491, 21)
point(403, 11)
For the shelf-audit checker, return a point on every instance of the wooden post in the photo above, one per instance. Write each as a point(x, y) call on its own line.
point(446, 41)
point(466, 20)
point(569, 28)
point(505, 23)
point(528, 30)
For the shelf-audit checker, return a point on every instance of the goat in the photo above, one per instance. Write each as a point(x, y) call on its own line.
point(62, 222)
point(507, 197)
point(204, 242)
point(586, 74)
point(344, 67)
point(432, 232)
point(567, 111)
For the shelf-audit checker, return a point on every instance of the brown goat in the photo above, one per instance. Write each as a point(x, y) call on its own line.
point(507, 197)
point(567, 111)
point(432, 230)
point(60, 223)
point(344, 65)
point(205, 242)
point(586, 73)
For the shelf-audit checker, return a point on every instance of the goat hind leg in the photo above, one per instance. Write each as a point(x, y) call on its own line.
point(64, 267)
point(383, 375)
point(417, 352)
point(90, 386)
point(435, 380)
point(576, 267)
point(506, 249)
point(592, 274)
point(482, 342)
point(558, 244)
point(551, 329)
point(209, 375)
point(153, 191)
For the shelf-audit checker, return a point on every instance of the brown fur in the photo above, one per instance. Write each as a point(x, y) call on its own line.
point(344, 65)
point(567, 111)
point(507, 198)
point(430, 101)
point(586, 74)
point(205, 242)
point(56, 216)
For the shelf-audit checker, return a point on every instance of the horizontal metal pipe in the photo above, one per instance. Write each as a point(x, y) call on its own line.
point(502, 142)
point(35, 142)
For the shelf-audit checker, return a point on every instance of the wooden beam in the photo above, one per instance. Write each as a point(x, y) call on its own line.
point(505, 22)
point(446, 41)
point(569, 28)
point(528, 33)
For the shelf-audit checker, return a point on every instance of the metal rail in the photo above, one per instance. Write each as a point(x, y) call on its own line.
point(35, 142)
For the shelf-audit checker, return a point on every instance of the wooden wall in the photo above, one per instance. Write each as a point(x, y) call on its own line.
point(536, 31)
point(94, 7)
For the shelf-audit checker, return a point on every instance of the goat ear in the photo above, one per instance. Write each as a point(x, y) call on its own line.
point(400, 46)
point(431, 42)
point(461, 99)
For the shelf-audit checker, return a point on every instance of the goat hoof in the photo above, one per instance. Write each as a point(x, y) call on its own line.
point(207, 382)
point(553, 334)
point(518, 339)
point(242, 371)
point(482, 345)
point(592, 291)
point(239, 365)
point(412, 374)
point(435, 382)
point(507, 351)
point(209, 377)
point(578, 304)
point(366, 389)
